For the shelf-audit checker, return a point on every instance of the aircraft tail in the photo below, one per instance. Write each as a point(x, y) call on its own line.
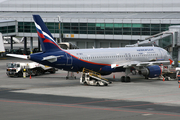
point(47, 42)
point(1, 44)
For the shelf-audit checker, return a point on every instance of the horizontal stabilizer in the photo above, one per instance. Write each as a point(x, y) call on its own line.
point(51, 58)
point(18, 56)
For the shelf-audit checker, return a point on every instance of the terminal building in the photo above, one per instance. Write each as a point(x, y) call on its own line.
point(95, 23)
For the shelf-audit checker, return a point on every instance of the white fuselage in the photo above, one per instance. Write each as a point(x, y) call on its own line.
point(121, 55)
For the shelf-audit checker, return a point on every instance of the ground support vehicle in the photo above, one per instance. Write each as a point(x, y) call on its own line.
point(93, 78)
point(15, 69)
point(169, 73)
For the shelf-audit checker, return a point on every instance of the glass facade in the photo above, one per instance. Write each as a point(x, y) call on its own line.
point(114, 28)
point(29, 27)
point(26, 27)
point(98, 28)
point(7, 29)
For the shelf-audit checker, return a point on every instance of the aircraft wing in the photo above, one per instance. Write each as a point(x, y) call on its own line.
point(139, 64)
point(18, 56)
point(125, 65)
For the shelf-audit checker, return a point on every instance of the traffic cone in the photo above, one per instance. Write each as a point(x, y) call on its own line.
point(179, 85)
point(163, 79)
point(30, 76)
point(114, 76)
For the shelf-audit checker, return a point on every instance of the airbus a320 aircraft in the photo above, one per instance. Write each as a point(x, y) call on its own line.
point(104, 61)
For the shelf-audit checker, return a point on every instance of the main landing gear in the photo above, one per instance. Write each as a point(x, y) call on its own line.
point(70, 75)
point(126, 78)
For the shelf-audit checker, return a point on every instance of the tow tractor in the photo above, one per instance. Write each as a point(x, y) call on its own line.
point(90, 77)
point(15, 69)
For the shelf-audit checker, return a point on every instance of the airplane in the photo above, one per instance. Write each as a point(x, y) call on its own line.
point(7, 40)
point(104, 61)
point(2, 50)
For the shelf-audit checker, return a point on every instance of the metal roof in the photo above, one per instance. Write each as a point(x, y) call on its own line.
point(2, 21)
point(91, 5)
point(88, 15)
point(24, 15)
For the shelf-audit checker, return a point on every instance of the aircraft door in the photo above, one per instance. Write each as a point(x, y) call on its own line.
point(127, 56)
point(69, 59)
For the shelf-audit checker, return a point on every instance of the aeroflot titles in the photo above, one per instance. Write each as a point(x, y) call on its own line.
point(145, 49)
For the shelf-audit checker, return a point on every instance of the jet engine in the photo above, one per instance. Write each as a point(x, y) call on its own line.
point(151, 71)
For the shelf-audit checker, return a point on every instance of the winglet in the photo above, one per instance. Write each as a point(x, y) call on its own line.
point(171, 61)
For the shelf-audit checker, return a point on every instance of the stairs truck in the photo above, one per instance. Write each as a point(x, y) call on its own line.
point(15, 69)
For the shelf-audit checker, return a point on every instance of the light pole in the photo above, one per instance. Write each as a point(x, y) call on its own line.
point(59, 19)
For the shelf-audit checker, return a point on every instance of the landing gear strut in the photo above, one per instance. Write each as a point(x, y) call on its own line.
point(70, 75)
point(126, 78)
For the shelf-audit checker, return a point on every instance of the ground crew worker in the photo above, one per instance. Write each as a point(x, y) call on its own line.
point(24, 72)
point(178, 76)
point(162, 67)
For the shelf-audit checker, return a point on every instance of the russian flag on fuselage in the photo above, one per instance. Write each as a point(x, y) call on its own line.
point(47, 42)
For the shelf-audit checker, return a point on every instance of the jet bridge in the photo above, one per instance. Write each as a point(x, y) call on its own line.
point(156, 37)
point(152, 39)
point(169, 40)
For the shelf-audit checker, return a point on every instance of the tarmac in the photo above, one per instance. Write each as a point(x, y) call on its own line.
point(52, 97)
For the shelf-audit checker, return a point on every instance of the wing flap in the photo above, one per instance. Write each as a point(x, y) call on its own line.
point(125, 65)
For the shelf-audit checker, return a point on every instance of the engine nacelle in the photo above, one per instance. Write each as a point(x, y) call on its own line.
point(152, 71)
point(106, 70)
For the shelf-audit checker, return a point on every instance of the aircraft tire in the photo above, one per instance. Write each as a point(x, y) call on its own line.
point(128, 79)
point(53, 71)
point(123, 79)
point(146, 77)
point(20, 74)
point(16, 75)
point(105, 84)
point(38, 73)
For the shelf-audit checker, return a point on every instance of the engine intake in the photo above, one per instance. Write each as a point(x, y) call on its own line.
point(152, 71)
